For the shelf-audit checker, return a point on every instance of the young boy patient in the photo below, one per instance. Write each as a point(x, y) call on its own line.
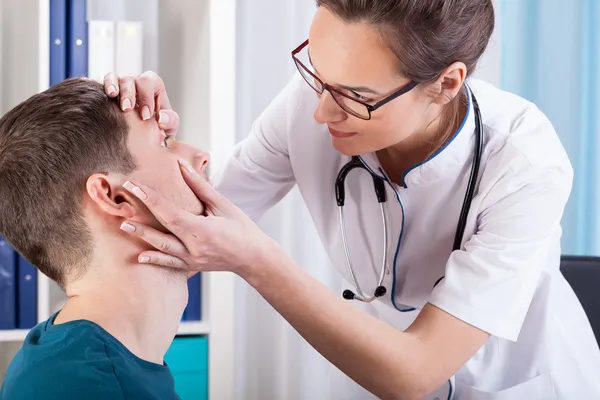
point(64, 157)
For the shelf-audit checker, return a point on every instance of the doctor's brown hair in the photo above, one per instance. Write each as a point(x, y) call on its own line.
point(49, 145)
point(426, 36)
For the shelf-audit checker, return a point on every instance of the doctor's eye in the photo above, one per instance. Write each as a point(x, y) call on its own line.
point(356, 96)
point(362, 98)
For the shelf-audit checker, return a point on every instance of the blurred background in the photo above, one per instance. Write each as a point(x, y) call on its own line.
point(223, 61)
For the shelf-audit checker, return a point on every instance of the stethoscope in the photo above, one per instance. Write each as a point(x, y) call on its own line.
point(379, 185)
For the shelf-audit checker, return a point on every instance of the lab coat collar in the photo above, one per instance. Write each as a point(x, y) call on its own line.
point(447, 160)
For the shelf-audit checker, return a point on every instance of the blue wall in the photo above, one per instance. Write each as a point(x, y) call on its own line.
point(550, 52)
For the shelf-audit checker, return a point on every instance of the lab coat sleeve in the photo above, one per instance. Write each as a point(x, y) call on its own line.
point(258, 174)
point(491, 281)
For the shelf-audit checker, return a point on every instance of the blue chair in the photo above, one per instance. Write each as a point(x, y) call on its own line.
point(583, 274)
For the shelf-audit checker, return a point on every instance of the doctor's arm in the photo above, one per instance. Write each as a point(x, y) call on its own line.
point(389, 363)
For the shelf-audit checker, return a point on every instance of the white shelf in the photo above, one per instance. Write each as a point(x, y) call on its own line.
point(13, 335)
point(186, 328)
point(194, 328)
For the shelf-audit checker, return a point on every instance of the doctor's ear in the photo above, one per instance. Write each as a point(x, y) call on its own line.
point(110, 196)
point(447, 86)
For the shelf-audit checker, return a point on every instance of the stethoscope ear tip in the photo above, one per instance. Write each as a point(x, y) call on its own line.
point(348, 295)
point(379, 292)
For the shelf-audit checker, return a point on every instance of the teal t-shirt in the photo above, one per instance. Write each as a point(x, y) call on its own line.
point(80, 360)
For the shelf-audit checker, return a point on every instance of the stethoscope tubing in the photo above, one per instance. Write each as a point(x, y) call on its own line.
point(379, 187)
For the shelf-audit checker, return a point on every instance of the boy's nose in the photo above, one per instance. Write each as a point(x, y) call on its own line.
point(200, 161)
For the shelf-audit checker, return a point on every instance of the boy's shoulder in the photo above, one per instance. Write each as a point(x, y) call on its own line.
point(67, 363)
point(61, 382)
point(80, 360)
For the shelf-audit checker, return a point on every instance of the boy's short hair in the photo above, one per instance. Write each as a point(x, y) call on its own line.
point(49, 146)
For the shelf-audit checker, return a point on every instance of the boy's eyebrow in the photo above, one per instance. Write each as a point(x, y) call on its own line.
point(363, 89)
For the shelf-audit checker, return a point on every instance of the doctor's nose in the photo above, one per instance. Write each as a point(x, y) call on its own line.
point(328, 110)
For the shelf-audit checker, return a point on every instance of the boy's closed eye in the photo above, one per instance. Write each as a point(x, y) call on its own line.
point(165, 142)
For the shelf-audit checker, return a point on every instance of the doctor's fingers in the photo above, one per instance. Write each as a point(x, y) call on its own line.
point(162, 260)
point(168, 120)
point(111, 84)
point(152, 99)
point(168, 245)
point(215, 203)
point(149, 93)
point(173, 218)
point(124, 86)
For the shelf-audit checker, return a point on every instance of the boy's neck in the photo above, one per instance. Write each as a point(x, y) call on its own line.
point(140, 305)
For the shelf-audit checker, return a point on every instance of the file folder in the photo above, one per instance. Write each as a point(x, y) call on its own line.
point(7, 286)
point(193, 311)
point(26, 294)
point(58, 41)
point(77, 34)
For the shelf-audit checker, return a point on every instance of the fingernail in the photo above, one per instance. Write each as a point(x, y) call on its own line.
point(187, 166)
point(135, 190)
point(126, 104)
point(163, 118)
point(129, 186)
point(146, 113)
point(112, 89)
point(144, 259)
point(127, 227)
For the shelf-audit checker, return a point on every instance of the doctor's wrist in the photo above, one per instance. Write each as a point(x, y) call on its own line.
point(267, 259)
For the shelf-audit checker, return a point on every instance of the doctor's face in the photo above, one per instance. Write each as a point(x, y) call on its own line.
point(156, 156)
point(353, 58)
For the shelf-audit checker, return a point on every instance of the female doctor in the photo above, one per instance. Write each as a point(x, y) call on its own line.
point(438, 198)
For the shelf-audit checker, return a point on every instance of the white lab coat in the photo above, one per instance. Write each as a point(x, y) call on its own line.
point(504, 280)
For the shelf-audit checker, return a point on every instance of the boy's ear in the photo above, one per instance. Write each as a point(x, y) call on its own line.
point(111, 197)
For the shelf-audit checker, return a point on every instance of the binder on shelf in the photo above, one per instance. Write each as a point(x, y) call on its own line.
point(129, 48)
point(26, 294)
point(58, 41)
point(8, 318)
point(77, 36)
point(101, 49)
point(193, 310)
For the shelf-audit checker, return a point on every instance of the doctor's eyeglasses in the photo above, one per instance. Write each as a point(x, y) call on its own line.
point(348, 100)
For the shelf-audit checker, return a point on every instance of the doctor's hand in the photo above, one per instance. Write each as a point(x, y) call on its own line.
point(224, 239)
point(145, 93)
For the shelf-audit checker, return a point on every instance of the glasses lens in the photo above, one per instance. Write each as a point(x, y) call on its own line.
point(304, 65)
point(310, 79)
point(302, 61)
point(351, 106)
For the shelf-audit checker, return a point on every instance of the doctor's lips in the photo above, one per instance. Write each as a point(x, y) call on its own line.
point(341, 135)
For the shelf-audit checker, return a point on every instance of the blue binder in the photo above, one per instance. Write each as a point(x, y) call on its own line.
point(58, 41)
point(77, 36)
point(26, 294)
point(193, 311)
point(7, 286)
